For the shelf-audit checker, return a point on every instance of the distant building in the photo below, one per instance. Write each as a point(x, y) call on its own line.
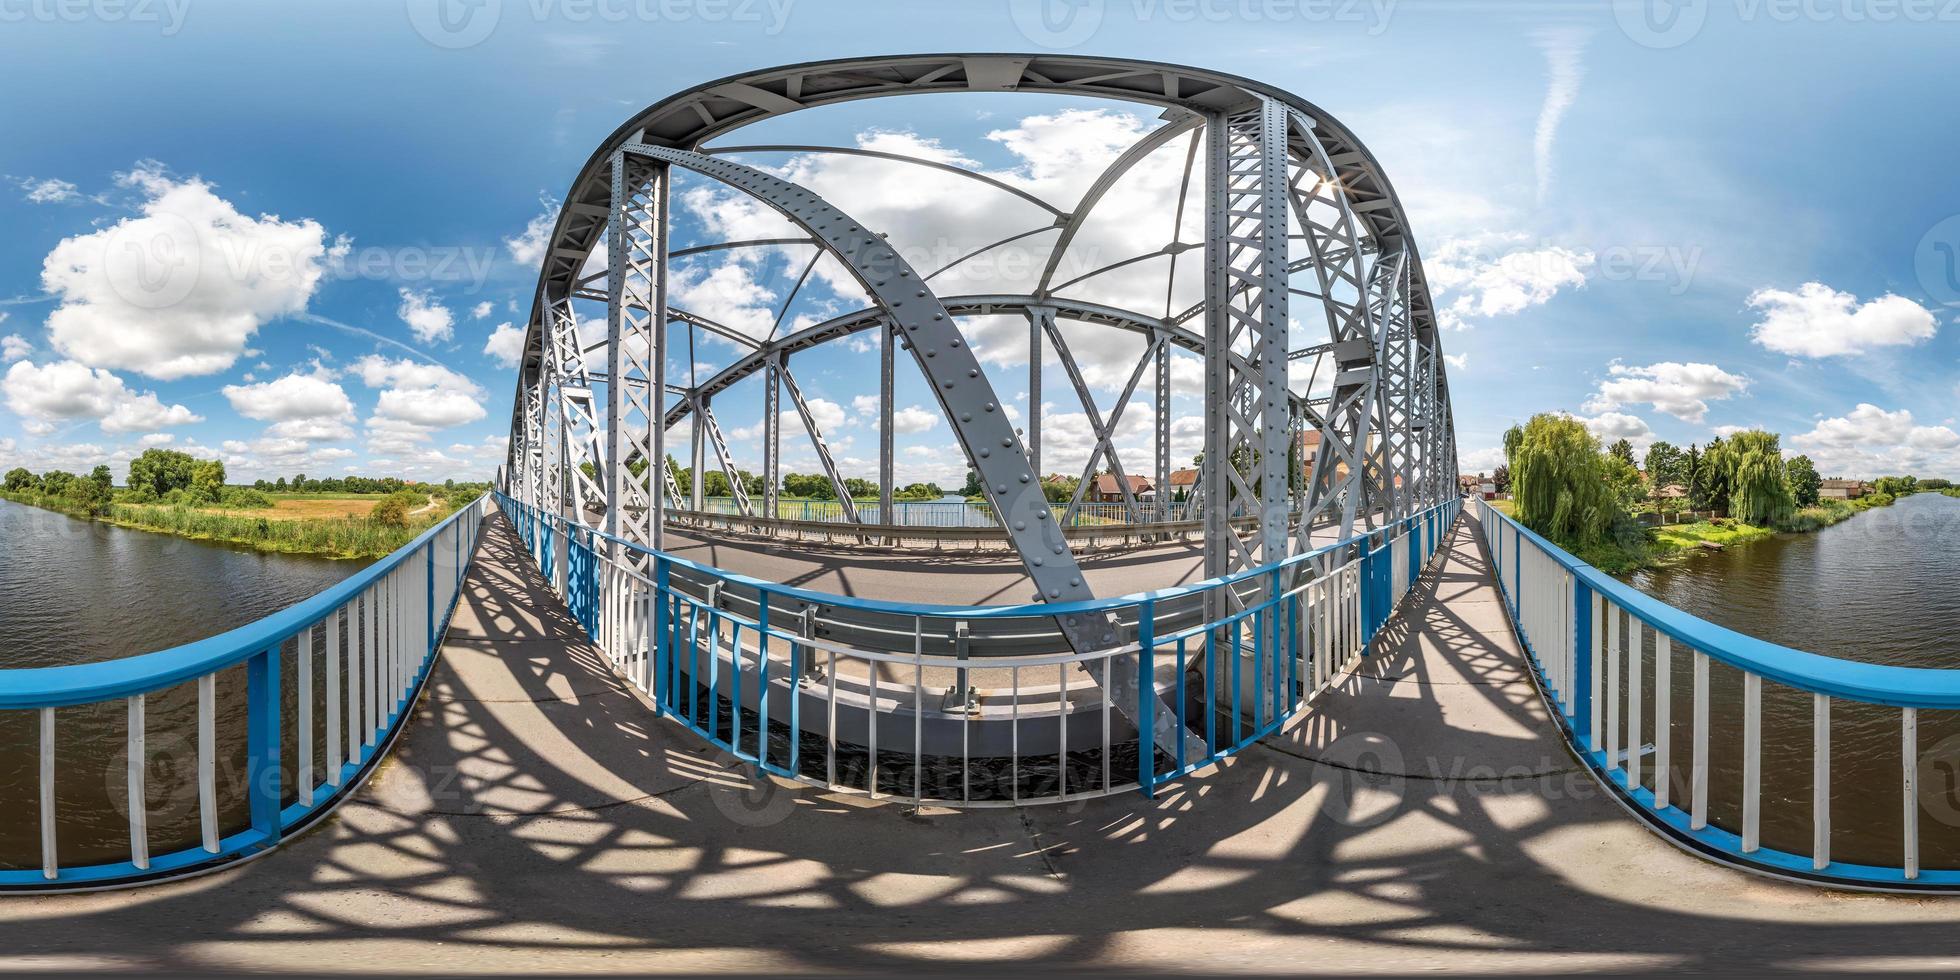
point(1105, 489)
point(1673, 491)
point(1182, 482)
point(1843, 489)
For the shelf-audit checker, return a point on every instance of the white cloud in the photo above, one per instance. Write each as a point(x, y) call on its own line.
point(1680, 390)
point(48, 190)
point(65, 390)
point(912, 419)
point(420, 394)
point(180, 289)
point(1818, 321)
point(529, 245)
point(428, 319)
point(1562, 48)
point(14, 347)
point(1458, 361)
point(1871, 441)
point(295, 396)
point(1479, 282)
point(481, 310)
point(155, 439)
point(506, 344)
point(1613, 426)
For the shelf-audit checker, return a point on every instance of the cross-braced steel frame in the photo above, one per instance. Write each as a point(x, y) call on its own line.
point(1338, 431)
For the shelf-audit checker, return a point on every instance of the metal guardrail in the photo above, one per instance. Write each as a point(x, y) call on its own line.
point(949, 513)
point(348, 662)
point(934, 536)
point(1586, 634)
point(978, 706)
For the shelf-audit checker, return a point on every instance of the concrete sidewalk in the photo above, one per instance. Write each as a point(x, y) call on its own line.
point(538, 818)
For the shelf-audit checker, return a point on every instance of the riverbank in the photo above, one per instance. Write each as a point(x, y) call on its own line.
point(345, 537)
point(1675, 543)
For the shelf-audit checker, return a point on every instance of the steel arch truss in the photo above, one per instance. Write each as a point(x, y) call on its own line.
point(1297, 217)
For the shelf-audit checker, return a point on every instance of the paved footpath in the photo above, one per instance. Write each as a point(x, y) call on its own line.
point(538, 818)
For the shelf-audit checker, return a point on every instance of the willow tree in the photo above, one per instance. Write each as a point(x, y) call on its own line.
point(1760, 493)
point(1558, 478)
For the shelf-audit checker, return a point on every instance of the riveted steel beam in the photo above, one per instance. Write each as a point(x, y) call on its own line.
point(968, 402)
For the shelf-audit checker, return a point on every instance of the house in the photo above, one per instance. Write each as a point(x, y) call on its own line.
point(1467, 483)
point(1105, 489)
point(1182, 483)
point(1843, 489)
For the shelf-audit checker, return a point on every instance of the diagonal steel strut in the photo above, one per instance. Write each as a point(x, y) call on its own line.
point(968, 400)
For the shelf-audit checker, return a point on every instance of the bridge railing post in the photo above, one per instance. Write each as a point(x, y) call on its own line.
point(262, 736)
point(1580, 696)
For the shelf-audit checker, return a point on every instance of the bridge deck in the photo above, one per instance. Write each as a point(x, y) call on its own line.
point(537, 818)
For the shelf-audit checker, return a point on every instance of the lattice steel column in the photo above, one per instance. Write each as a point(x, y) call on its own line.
point(1246, 401)
point(772, 438)
point(967, 398)
point(635, 349)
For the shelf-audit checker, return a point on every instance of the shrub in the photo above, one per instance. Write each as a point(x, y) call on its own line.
point(393, 509)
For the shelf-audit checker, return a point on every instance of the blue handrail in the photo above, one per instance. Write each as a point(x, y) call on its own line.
point(385, 664)
point(108, 680)
point(1268, 628)
point(1894, 686)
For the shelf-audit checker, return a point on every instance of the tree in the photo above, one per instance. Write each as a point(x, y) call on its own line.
point(1560, 480)
point(299, 483)
point(1501, 478)
point(1513, 438)
point(1060, 489)
point(207, 479)
point(1717, 476)
point(1623, 451)
point(1896, 486)
point(1666, 464)
point(973, 487)
point(158, 471)
point(1628, 489)
point(1760, 491)
point(393, 509)
point(1804, 481)
point(20, 479)
point(1697, 492)
point(279, 485)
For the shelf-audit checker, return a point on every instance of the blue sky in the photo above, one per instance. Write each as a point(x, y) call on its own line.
point(1749, 219)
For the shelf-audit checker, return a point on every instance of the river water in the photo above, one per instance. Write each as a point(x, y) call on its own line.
point(1878, 588)
point(74, 591)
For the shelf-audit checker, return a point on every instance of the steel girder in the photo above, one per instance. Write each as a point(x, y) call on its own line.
point(1248, 413)
point(636, 349)
point(968, 401)
point(690, 118)
point(1387, 437)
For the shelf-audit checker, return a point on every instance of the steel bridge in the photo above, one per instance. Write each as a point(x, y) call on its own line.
point(1319, 704)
